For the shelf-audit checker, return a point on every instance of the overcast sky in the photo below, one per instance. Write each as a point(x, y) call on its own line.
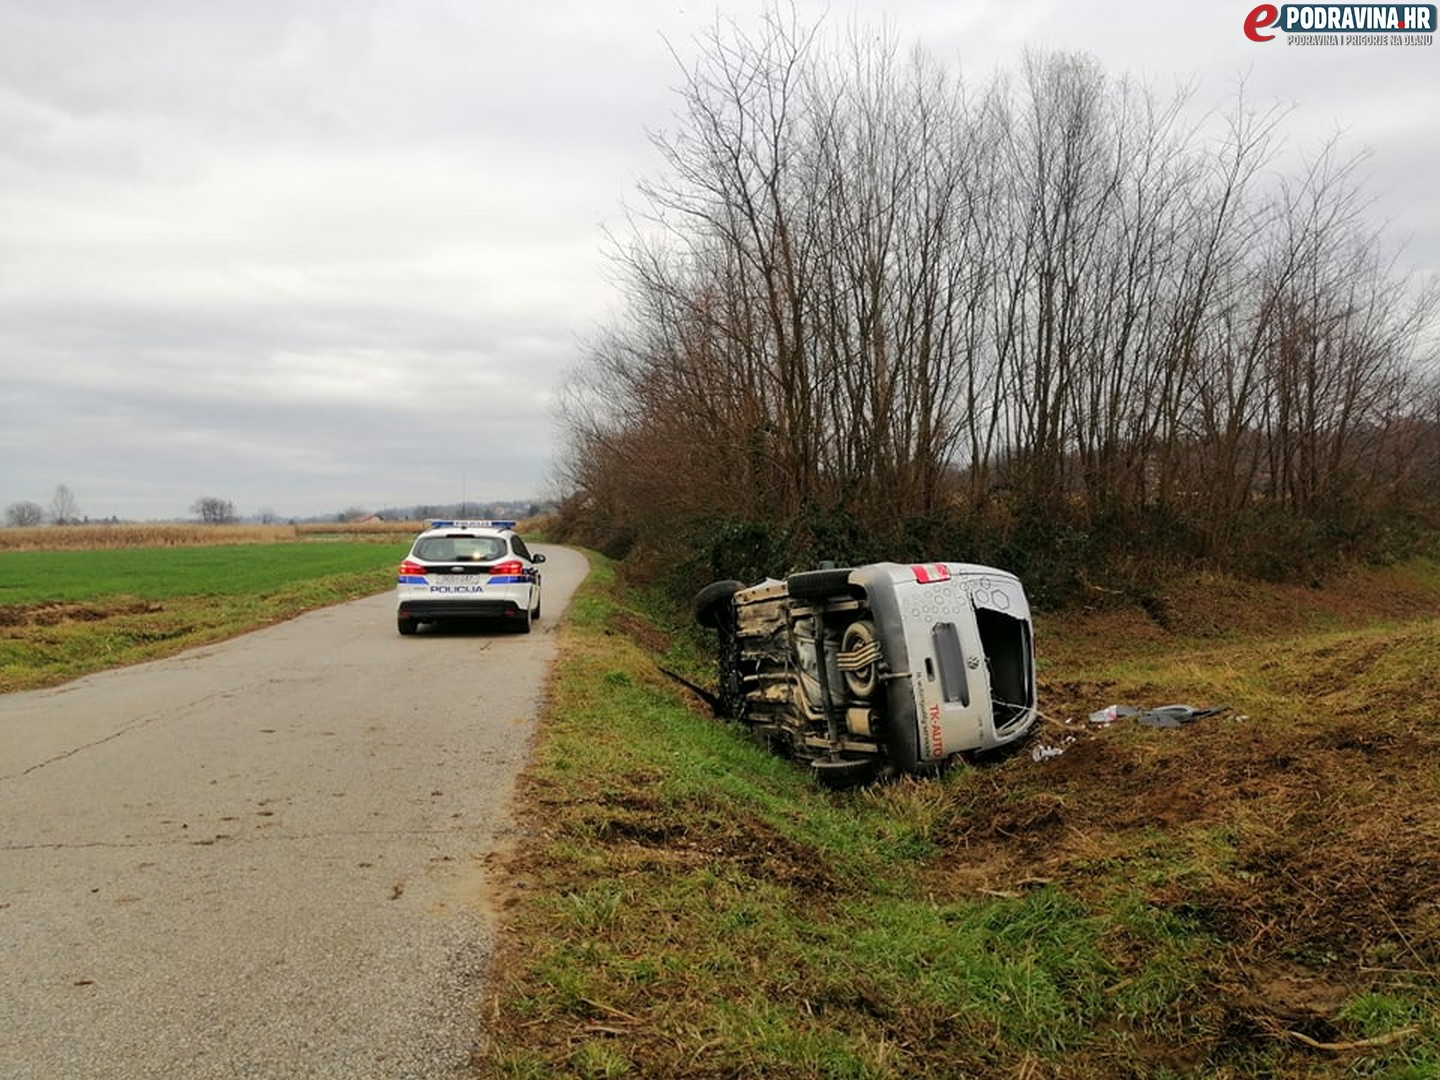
point(307, 255)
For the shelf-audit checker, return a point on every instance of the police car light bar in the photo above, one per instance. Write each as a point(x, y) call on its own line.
point(437, 524)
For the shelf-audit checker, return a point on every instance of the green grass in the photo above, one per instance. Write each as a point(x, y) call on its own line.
point(163, 573)
point(64, 614)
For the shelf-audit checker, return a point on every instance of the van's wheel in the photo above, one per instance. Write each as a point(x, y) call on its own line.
point(859, 659)
point(844, 772)
point(819, 584)
point(712, 603)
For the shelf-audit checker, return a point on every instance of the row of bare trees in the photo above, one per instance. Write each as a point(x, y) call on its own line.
point(64, 510)
point(865, 287)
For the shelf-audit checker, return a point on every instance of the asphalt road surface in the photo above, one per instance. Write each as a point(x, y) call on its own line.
point(264, 858)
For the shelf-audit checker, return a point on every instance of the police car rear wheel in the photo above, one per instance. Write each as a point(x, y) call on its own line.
point(406, 626)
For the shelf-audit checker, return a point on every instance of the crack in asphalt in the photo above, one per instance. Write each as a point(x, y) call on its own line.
point(142, 722)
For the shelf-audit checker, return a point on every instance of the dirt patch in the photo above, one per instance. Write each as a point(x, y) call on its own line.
point(643, 833)
point(638, 629)
point(57, 612)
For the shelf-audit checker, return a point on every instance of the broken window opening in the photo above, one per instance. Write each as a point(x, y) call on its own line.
point(1006, 641)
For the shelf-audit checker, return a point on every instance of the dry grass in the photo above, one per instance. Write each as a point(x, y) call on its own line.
point(358, 530)
point(102, 537)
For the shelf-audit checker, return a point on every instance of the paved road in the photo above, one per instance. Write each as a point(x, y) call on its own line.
point(263, 858)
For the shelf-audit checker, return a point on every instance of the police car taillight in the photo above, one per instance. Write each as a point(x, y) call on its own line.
point(508, 568)
point(410, 566)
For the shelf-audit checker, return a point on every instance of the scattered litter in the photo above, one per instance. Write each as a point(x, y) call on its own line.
point(1164, 716)
point(1045, 751)
point(1108, 715)
point(1174, 716)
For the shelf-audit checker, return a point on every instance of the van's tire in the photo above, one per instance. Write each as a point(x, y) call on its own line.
point(819, 584)
point(840, 774)
point(712, 603)
point(861, 636)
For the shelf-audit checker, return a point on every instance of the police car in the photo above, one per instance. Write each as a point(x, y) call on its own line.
point(468, 570)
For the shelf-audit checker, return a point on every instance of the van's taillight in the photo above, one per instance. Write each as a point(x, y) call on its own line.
point(410, 568)
point(508, 568)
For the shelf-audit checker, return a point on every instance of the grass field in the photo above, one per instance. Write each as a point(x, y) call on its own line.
point(38, 577)
point(1255, 895)
point(68, 612)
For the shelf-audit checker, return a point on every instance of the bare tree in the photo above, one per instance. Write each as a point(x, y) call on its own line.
point(64, 510)
point(213, 511)
point(24, 514)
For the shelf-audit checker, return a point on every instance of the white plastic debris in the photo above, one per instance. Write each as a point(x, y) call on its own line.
point(1108, 715)
point(1046, 751)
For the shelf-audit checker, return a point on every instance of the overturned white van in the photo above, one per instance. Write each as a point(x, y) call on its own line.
point(879, 668)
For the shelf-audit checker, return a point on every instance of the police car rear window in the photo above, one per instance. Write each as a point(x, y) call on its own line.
point(460, 548)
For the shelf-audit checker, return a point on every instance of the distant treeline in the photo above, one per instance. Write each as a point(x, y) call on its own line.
point(217, 512)
point(101, 536)
point(1051, 322)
